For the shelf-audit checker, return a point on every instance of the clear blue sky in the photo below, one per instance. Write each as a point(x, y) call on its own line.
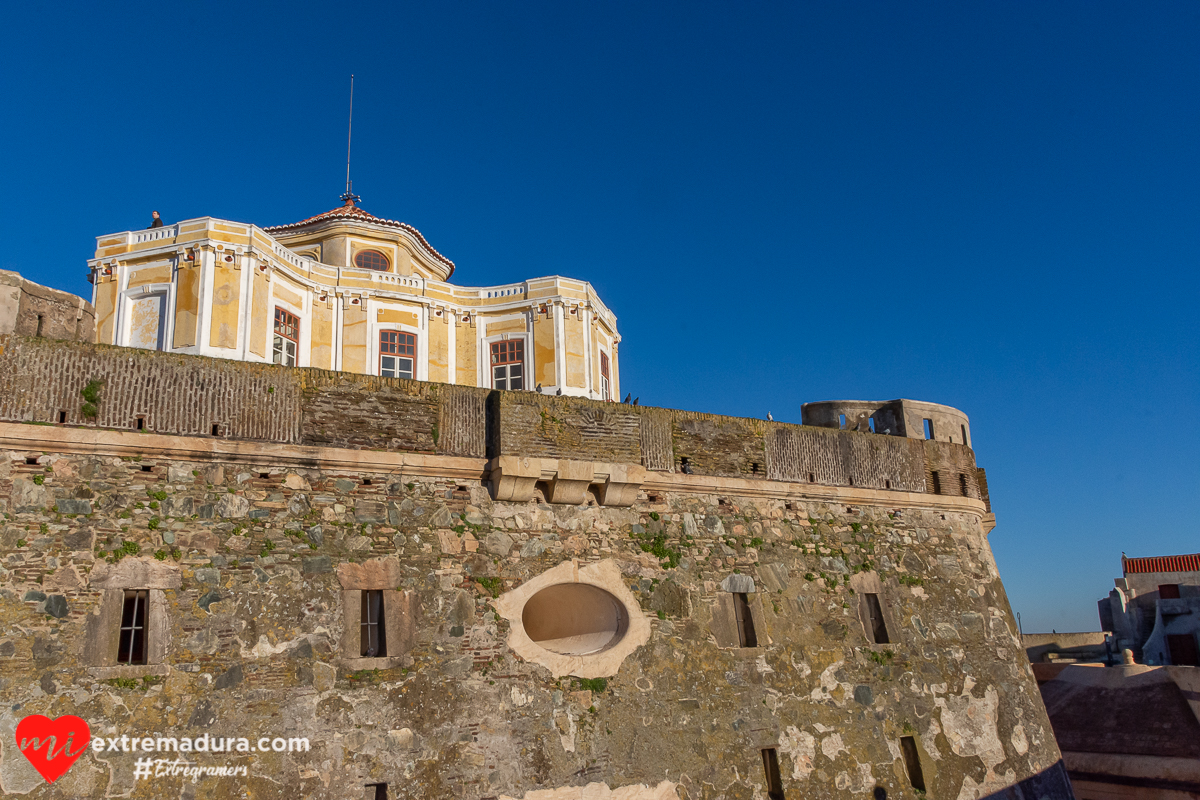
point(989, 205)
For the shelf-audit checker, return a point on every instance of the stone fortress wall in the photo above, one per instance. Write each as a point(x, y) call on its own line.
point(190, 396)
point(30, 309)
point(257, 504)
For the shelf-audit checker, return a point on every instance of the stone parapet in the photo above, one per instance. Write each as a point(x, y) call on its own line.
point(224, 405)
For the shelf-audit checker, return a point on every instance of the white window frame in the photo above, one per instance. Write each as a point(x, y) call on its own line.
point(526, 353)
point(380, 355)
point(605, 380)
point(275, 337)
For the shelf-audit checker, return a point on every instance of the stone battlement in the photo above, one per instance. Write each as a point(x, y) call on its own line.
point(528, 437)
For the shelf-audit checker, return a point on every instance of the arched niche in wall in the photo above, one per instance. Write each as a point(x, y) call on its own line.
point(574, 620)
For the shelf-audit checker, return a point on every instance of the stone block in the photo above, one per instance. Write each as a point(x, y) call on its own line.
point(56, 606)
point(232, 506)
point(73, 506)
point(376, 573)
point(316, 565)
point(498, 543)
point(738, 584)
point(136, 572)
point(297, 483)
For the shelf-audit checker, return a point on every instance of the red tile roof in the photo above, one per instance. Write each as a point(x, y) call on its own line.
point(1188, 563)
point(350, 211)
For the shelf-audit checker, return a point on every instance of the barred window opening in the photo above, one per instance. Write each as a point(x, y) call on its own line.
point(373, 642)
point(131, 647)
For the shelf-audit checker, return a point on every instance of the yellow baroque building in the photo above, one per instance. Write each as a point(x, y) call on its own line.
point(346, 290)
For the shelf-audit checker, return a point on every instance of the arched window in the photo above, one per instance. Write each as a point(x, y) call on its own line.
point(371, 259)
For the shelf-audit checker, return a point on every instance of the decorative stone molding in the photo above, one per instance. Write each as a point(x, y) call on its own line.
point(514, 479)
point(629, 632)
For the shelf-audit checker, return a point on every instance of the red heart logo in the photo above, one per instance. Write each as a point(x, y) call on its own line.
point(52, 745)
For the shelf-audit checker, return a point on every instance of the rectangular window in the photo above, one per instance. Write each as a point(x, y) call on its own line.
point(397, 354)
point(604, 376)
point(374, 640)
point(964, 430)
point(962, 485)
point(937, 482)
point(876, 627)
point(508, 364)
point(745, 620)
point(1168, 591)
point(287, 337)
point(871, 424)
point(1184, 652)
point(928, 429)
point(771, 766)
point(131, 648)
point(912, 761)
point(842, 421)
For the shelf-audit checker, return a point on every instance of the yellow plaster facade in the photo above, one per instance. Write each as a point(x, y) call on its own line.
point(353, 291)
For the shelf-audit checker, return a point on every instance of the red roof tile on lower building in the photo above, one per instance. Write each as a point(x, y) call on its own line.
point(1187, 563)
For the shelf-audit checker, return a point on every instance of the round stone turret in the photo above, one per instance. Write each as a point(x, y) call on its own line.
point(911, 418)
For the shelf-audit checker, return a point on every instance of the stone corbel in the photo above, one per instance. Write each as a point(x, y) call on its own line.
point(570, 482)
point(621, 484)
point(514, 479)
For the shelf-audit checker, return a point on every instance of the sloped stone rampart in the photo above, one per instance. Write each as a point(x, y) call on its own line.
point(253, 563)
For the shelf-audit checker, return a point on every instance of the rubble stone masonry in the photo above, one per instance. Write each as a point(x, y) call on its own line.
point(256, 543)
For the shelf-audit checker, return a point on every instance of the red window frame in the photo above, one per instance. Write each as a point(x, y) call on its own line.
point(287, 324)
point(505, 355)
point(398, 345)
point(373, 260)
point(605, 378)
point(287, 330)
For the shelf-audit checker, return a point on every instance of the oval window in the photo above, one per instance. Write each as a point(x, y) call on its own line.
point(371, 259)
point(574, 619)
